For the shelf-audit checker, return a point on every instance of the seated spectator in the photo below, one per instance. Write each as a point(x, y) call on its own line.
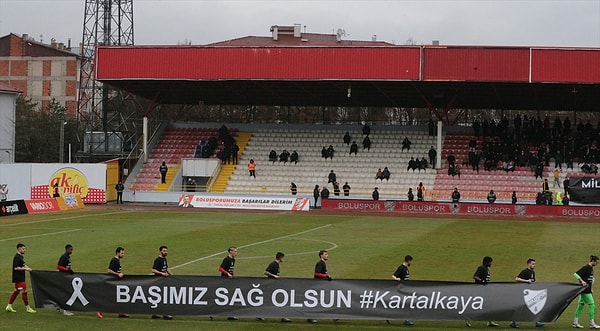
point(491, 197)
point(330, 151)
point(455, 195)
point(366, 130)
point(451, 159)
point(457, 170)
point(385, 174)
point(336, 189)
point(293, 188)
point(539, 170)
point(451, 170)
point(332, 178)
point(325, 193)
point(354, 148)
point(375, 194)
point(284, 156)
point(411, 164)
point(294, 157)
point(510, 166)
point(540, 199)
point(379, 174)
point(423, 165)
point(418, 164)
point(406, 144)
point(410, 195)
point(347, 138)
point(367, 143)
point(324, 152)
point(272, 156)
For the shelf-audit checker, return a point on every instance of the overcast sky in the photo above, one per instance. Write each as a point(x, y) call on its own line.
point(452, 22)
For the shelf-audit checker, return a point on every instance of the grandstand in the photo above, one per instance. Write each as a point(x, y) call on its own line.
point(359, 170)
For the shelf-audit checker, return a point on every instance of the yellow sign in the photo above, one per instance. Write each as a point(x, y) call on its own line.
point(70, 181)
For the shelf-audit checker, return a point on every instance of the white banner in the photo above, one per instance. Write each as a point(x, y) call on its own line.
point(243, 202)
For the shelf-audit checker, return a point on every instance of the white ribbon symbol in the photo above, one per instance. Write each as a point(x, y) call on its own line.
point(77, 286)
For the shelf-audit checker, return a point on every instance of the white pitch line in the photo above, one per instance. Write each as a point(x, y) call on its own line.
point(41, 235)
point(61, 219)
point(252, 244)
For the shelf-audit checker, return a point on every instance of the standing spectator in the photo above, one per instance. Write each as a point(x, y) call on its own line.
point(316, 194)
point(556, 174)
point(566, 185)
point(347, 138)
point(406, 144)
point(346, 189)
point(160, 267)
point(482, 277)
point(120, 187)
point(3, 192)
point(64, 265)
point(366, 130)
point(491, 197)
point(163, 173)
point(410, 195)
point(252, 168)
point(526, 276)
point(566, 200)
point(420, 191)
point(293, 188)
point(336, 189)
point(367, 143)
point(432, 156)
point(18, 278)
point(385, 174)
point(55, 191)
point(272, 271)
point(431, 127)
point(514, 197)
point(585, 276)
point(455, 195)
point(375, 194)
point(332, 178)
point(324, 193)
point(354, 148)
point(321, 271)
point(401, 275)
point(234, 153)
point(114, 268)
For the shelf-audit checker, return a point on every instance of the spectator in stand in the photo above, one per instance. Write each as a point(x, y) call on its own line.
point(293, 188)
point(385, 174)
point(332, 178)
point(284, 156)
point(163, 172)
point(423, 164)
point(294, 157)
point(475, 163)
point(455, 195)
point(539, 170)
point(566, 200)
point(324, 152)
point(366, 130)
point(420, 192)
point(379, 175)
point(367, 143)
point(545, 186)
point(316, 194)
point(412, 164)
point(514, 197)
point(457, 170)
point(451, 168)
point(556, 174)
point(410, 195)
point(347, 138)
point(354, 148)
point(418, 163)
point(325, 193)
point(451, 158)
point(273, 156)
point(406, 144)
point(491, 197)
point(566, 184)
point(432, 156)
point(510, 166)
point(330, 151)
point(375, 194)
point(346, 189)
point(336, 189)
point(252, 168)
point(234, 153)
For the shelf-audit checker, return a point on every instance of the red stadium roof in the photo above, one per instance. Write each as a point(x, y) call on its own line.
point(349, 75)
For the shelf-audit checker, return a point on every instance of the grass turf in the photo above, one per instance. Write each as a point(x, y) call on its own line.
point(361, 246)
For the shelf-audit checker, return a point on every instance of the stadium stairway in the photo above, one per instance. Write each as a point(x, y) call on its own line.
point(227, 170)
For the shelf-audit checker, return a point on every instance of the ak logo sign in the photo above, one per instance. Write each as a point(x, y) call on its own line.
point(70, 181)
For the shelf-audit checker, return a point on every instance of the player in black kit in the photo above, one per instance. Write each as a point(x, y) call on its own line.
point(161, 268)
point(402, 274)
point(526, 276)
point(272, 271)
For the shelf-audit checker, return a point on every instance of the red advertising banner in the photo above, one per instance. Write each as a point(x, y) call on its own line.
point(42, 205)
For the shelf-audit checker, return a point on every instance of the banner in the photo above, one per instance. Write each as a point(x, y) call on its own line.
point(302, 298)
point(584, 189)
point(245, 202)
point(12, 207)
point(42, 205)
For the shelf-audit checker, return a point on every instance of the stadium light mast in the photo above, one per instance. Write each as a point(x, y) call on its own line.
point(105, 22)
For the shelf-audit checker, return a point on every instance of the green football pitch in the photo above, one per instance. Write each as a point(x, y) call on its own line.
point(361, 246)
